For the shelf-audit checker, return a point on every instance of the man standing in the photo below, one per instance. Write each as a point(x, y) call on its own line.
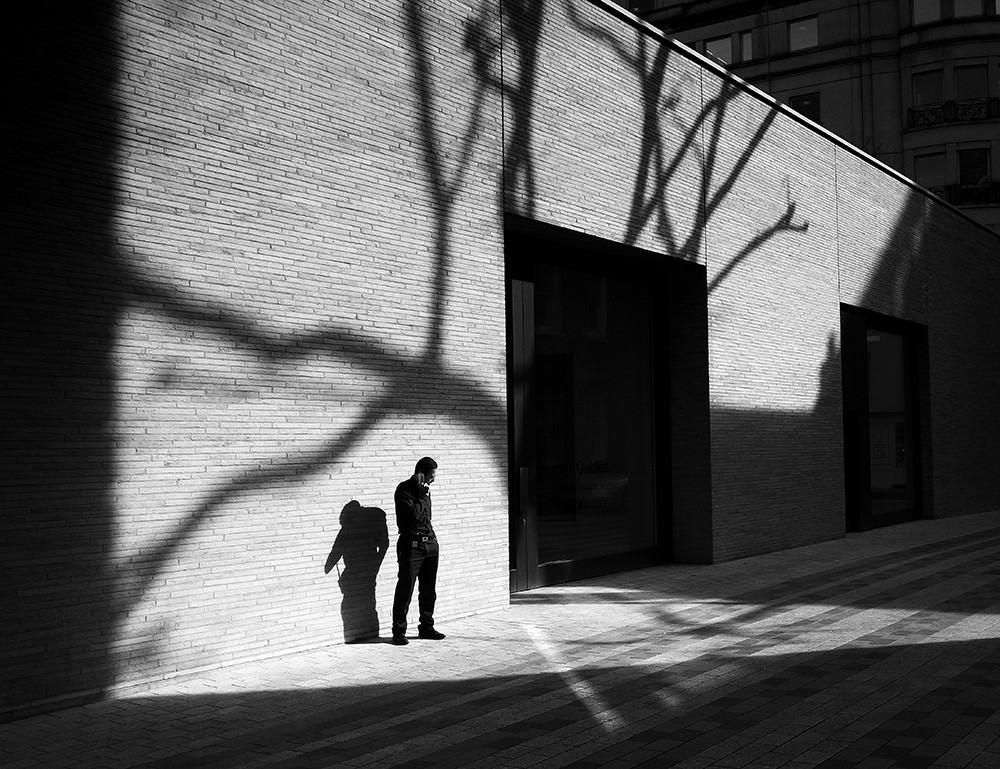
point(417, 551)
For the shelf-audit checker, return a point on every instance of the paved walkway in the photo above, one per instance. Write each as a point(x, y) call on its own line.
point(878, 650)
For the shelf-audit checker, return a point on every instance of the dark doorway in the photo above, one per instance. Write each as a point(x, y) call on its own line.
point(881, 361)
point(589, 404)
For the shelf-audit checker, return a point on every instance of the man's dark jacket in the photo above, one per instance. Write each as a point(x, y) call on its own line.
point(413, 509)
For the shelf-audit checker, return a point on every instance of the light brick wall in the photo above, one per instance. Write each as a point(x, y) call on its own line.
point(595, 93)
point(880, 241)
point(295, 196)
point(773, 335)
point(302, 293)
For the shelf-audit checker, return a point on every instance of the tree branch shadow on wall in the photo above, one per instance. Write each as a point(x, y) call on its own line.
point(521, 22)
point(65, 239)
point(659, 165)
point(424, 384)
point(361, 544)
point(893, 287)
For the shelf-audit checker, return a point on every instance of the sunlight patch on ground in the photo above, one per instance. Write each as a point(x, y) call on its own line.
point(588, 696)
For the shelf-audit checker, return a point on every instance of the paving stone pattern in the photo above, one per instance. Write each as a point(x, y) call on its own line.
point(877, 650)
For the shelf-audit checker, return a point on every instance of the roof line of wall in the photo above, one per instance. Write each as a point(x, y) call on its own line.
point(724, 73)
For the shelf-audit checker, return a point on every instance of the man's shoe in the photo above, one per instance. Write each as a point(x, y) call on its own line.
point(400, 640)
point(430, 634)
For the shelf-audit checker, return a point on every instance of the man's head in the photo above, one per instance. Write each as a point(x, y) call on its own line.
point(426, 467)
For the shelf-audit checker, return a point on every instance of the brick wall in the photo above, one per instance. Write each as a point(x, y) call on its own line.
point(699, 170)
point(286, 287)
point(963, 334)
point(258, 271)
point(639, 143)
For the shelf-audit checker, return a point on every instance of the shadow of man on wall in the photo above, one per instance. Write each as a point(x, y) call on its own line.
point(361, 544)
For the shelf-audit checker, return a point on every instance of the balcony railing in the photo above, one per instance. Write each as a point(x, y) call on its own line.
point(954, 112)
point(969, 194)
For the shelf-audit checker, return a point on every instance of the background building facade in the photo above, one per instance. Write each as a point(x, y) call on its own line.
point(265, 259)
point(915, 83)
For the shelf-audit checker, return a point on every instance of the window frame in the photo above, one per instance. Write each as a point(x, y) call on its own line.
point(986, 178)
point(728, 40)
point(980, 12)
point(746, 43)
point(914, 76)
point(939, 153)
point(984, 68)
point(792, 48)
point(913, 13)
point(814, 95)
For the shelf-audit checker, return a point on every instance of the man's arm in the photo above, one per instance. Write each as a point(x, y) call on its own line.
point(406, 518)
point(336, 552)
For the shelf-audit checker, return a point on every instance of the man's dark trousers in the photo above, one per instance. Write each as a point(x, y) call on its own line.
point(414, 565)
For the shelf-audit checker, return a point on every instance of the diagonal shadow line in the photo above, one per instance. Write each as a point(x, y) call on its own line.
point(518, 155)
point(782, 225)
point(714, 107)
point(460, 397)
point(648, 203)
point(229, 323)
point(649, 198)
point(152, 563)
point(652, 155)
point(444, 190)
point(726, 187)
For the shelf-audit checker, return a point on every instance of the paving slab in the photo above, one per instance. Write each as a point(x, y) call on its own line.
point(880, 649)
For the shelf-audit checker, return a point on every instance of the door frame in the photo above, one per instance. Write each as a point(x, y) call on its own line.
point(856, 324)
point(674, 279)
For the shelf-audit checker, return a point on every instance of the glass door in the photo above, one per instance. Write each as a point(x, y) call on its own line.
point(881, 420)
point(583, 424)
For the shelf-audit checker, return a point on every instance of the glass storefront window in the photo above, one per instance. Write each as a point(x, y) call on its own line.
point(887, 424)
point(594, 418)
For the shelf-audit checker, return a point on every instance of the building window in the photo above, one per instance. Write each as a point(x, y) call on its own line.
point(974, 176)
point(746, 46)
point(974, 167)
point(721, 48)
point(803, 33)
point(926, 11)
point(970, 82)
point(928, 88)
point(965, 8)
point(806, 104)
point(930, 170)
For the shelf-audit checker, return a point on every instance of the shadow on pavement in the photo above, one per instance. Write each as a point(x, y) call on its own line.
point(879, 700)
